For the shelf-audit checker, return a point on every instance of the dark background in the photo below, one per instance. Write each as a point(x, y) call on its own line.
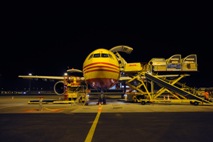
point(47, 38)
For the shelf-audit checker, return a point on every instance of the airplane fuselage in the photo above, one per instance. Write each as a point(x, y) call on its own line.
point(101, 69)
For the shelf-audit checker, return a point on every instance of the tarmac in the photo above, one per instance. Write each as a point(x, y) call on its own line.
point(118, 120)
point(30, 104)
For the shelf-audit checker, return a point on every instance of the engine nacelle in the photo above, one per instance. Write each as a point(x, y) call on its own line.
point(59, 88)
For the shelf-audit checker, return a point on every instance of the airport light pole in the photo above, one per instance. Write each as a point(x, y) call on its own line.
point(29, 82)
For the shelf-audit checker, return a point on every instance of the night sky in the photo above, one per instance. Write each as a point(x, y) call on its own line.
point(46, 39)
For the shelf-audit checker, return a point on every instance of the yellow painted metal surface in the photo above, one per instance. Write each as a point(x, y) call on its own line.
point(132, 67)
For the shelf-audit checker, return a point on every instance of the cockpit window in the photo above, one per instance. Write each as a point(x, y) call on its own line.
point(111, 56)
point(104, 55)
point(90, 56)
point(97, 55)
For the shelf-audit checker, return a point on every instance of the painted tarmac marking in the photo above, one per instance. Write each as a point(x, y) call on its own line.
point(45, 109)
point(94, 124)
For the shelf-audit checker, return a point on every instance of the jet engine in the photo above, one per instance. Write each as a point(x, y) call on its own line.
point(59, 88)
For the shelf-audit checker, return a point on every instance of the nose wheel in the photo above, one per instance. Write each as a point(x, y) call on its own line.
point(102, 99)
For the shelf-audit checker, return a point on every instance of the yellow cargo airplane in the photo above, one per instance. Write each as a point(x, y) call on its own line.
point(101, 71)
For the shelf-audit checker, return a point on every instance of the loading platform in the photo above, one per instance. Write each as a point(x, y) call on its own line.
point(142, 79)
point(169, 92)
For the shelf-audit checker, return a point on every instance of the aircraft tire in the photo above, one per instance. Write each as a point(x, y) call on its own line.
point(196, 103)
point(143, 102)
point(134, 99)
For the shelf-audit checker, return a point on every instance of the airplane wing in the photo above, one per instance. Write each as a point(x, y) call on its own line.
point(52, 77)
point(41, 77)
point(46, 77)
